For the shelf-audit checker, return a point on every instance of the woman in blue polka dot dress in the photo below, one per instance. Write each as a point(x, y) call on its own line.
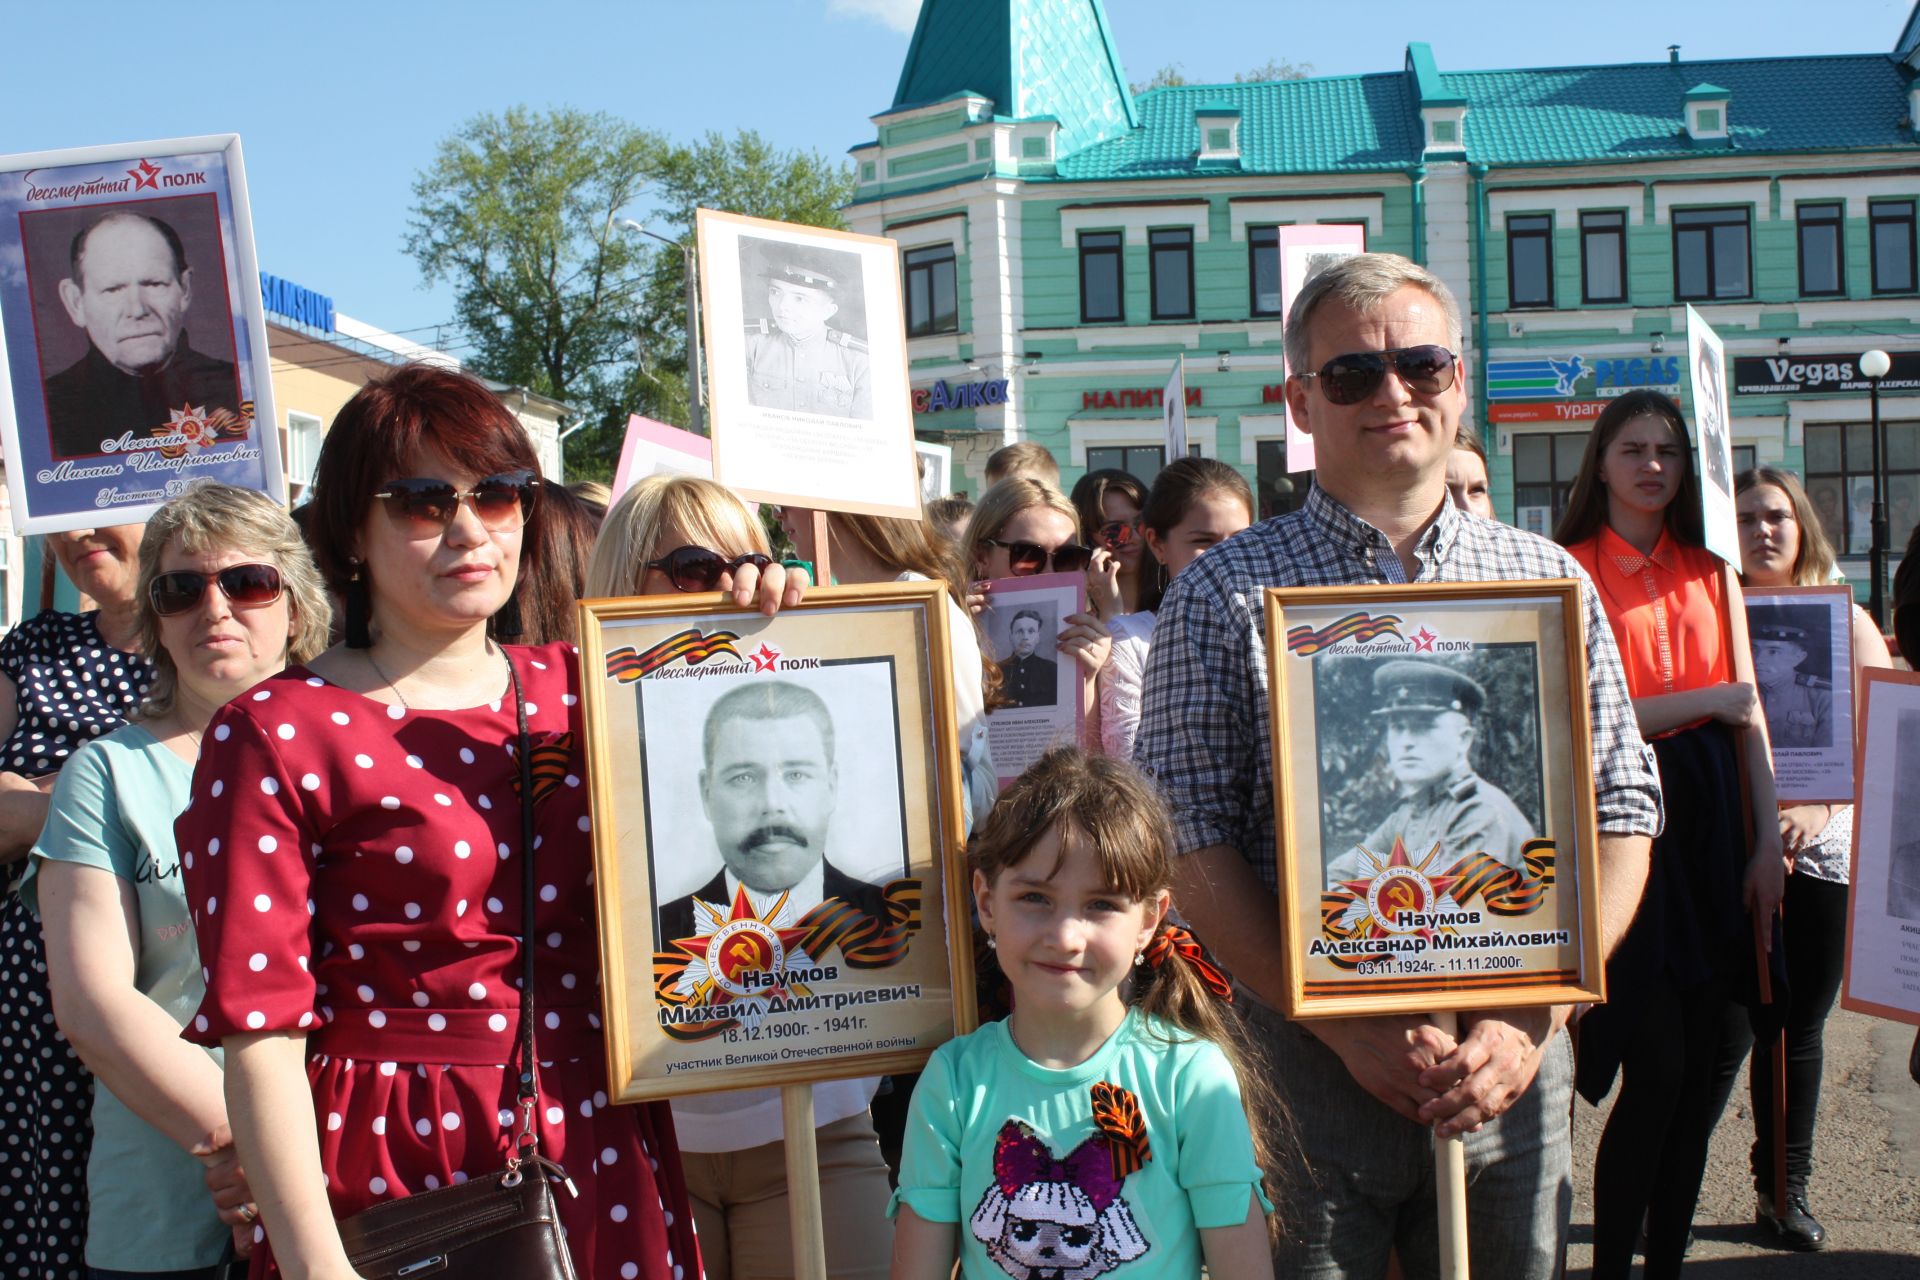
point(64, 678)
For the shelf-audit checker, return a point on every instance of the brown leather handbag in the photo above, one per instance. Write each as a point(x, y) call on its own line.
point(505, 1224)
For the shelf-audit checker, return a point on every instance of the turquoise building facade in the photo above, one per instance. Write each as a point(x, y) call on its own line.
point(1065, 242)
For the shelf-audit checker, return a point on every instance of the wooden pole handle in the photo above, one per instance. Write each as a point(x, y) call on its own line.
point(803, 1184)
point(1450, 1184)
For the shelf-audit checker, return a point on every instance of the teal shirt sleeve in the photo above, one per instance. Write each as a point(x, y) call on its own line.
point(930, 1151)
point(1217, 1168)
point(83, 824)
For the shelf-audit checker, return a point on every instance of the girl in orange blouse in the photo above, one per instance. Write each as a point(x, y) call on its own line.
point(1678, 980)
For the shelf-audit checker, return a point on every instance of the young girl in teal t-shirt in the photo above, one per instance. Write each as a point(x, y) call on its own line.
point(1100, 1129)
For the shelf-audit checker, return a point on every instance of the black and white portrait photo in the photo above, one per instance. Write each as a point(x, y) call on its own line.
point(1710, 417)
point(1792, 665)
point(1903, 859)
point(794, 789)
point(805, 328)
point(1429, 750)
point(127, 342)
point(1022, 638)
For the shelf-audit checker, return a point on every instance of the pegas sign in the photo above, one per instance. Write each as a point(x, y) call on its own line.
point(1542, 379)
point(966, 395)
point(1777, 375)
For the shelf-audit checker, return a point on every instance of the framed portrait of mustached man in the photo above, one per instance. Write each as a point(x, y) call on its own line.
point(777, 837)
point(1433, 777)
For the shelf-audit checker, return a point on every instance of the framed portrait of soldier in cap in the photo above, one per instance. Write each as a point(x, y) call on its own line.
point(1437, 846)
point(807, 366)
point(1802, 642)
point(133, 354)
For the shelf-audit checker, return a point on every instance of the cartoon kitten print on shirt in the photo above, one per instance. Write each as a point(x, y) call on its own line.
point(1064, 1219)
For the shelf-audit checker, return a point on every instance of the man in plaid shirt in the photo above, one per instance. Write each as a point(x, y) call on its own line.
point(1373, 343)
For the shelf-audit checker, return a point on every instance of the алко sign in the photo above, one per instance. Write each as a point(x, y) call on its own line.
point(1831, 372)
point(966, 395)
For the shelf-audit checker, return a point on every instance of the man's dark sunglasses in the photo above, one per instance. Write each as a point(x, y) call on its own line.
point(241, 584)
point(1027, 558)
point(425, 507)
point(698, 569)
point(1426, 370)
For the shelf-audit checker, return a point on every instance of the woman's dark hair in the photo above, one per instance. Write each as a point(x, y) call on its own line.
point(1587, 505)
point(1468, 439)
point(1089, 498)
point(553, 565)
point(1179, 485)
point(1906, 602)
point(387, 429)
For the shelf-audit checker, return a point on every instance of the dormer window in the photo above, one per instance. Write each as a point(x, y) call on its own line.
point(1219, 133)
point(1446, 127)
point(1707, 113)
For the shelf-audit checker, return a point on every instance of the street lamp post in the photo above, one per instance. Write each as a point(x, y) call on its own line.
point(696, 411)
point(1874, 366)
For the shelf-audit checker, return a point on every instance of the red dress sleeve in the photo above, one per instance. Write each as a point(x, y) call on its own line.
point(247, 861)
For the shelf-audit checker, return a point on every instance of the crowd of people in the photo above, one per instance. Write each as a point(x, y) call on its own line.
point(280, 889)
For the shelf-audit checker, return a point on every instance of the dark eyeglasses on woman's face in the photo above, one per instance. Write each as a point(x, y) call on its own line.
point(1426, 370)
point(244, 585)
point(424, 508)
point(1115, 534)
point(698, 569)
point(1027, 558)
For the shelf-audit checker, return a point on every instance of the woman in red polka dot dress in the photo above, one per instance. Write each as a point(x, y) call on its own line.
point(352, 855)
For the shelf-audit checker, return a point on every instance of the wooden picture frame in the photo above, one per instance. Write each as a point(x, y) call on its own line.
point(845, 951)
point(1480, 692)
point(810, 402)
point(1883, 901)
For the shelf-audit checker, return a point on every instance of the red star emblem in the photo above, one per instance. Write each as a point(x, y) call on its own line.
point(764, 657)
point(1405, 893)
point(1423, 640)
point(145, 174)
point(742, 954)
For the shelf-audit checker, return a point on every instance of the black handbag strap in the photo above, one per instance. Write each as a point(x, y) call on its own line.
point(529, 1094)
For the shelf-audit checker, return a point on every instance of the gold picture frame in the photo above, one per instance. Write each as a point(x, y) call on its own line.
point(1479, 692)
point(818, 749)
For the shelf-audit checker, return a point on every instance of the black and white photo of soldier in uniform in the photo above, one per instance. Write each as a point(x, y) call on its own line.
point(128, 285)
point(1711, 420)
point(1422, 723)
point(808, 348)
point(1027, 679)
point(1791, 665)
point(769, 784)
point(1903, 865)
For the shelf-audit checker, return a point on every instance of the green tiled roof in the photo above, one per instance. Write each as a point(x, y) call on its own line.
point(1032, 57)
point(1576, 114)
point(1329, 124)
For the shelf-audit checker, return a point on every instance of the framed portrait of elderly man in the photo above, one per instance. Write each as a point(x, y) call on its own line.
point(133, 352)
point(777, 833)
point(1432, 769)
point(807, 366)
point(1883, 906)
point(1802, 642)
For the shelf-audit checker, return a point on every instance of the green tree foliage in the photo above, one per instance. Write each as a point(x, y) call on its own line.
point(522, 213)
point(1174, 75)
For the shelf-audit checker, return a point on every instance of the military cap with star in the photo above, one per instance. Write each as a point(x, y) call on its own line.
point(1425, 687)
point(1781, 632)
point(801, 265)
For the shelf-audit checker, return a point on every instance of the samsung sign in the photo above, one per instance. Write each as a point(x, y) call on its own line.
point(291, 302)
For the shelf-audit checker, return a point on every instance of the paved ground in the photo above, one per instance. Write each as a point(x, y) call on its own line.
point(1866, 1181)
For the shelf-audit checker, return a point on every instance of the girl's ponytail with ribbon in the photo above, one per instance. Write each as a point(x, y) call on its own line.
point(1172, 940)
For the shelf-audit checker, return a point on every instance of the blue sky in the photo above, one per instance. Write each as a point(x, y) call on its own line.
point(339, 106)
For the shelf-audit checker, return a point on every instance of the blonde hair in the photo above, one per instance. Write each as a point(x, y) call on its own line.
point(706, 512)
point(1001, 504)
point(210, 516)
point(1813, 560)
point(1024, 458)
